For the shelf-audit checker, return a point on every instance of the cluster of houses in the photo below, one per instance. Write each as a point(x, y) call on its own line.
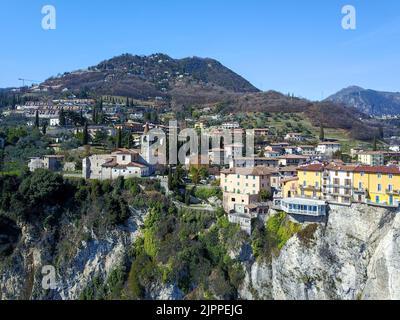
point(293, 175)
point(54, 163)
point(304, 181)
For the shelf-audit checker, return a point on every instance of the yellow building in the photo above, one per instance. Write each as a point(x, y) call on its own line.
point(310, 181)
point(377, 185)
point(290, 187)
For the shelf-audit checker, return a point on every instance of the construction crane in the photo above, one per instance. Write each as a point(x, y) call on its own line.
point(27, 80)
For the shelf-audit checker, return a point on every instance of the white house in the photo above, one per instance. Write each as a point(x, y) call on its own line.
point(294, 137)
point(121, 163)
point(230, 125)
point(54, 122)
point(328, 148)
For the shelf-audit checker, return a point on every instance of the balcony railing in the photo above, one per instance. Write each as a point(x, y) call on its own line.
point(393, 192)
point(310, 188)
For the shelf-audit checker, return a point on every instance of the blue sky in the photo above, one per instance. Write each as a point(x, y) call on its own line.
point(286, 45)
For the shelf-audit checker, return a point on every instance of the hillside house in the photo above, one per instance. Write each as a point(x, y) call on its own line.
point(120, 163)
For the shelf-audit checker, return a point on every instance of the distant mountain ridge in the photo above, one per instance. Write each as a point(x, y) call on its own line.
point(161, 81)
point(371, 102)
point(188, 80)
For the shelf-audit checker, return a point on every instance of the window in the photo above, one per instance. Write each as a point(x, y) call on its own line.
point(362, 174)
point(305, 184)
point(360, 185)
point(226, 189)
point(379, 187)
point(390, 176)
point(390, 188)
point(247, 177)
point(379, 176)
point(123, 158)
point(317, 185)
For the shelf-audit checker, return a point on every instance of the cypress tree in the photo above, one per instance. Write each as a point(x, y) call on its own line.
point(37, 122)
point(85, 138)
point(119, 138)
point(44, 128)
point(129, 143)
point(322, 133)
point(1, 160)
point(62, 117)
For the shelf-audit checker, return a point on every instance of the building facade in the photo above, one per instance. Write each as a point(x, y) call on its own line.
point(371, 158)
point(242, 186)
point(346, 184)
point(121, 163)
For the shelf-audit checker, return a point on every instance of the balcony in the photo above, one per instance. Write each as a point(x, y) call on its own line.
point(310, 188)
point(360, 190)
point(393, 192)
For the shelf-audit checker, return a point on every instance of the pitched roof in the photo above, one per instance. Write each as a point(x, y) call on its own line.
point(341, 167)
point(315, 167)
point(293, 156)
point(111, 163)
point(378, 169)
point(254, 171)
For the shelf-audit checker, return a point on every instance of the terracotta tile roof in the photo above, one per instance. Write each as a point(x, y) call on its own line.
point(315, 167)
point(371, 153)
point(378, 169)
point(255, 171)
point(290, 179)
point(136, 164)
point(293, 156)
point(130, 165)
point(111, 163)
point(340, 167)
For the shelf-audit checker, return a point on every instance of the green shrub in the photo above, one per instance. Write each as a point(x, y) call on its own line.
point(307, 235)
point(280, 230)
point(205, 193)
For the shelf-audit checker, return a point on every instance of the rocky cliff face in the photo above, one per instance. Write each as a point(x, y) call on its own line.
point(21, 274)
point(354, 256)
